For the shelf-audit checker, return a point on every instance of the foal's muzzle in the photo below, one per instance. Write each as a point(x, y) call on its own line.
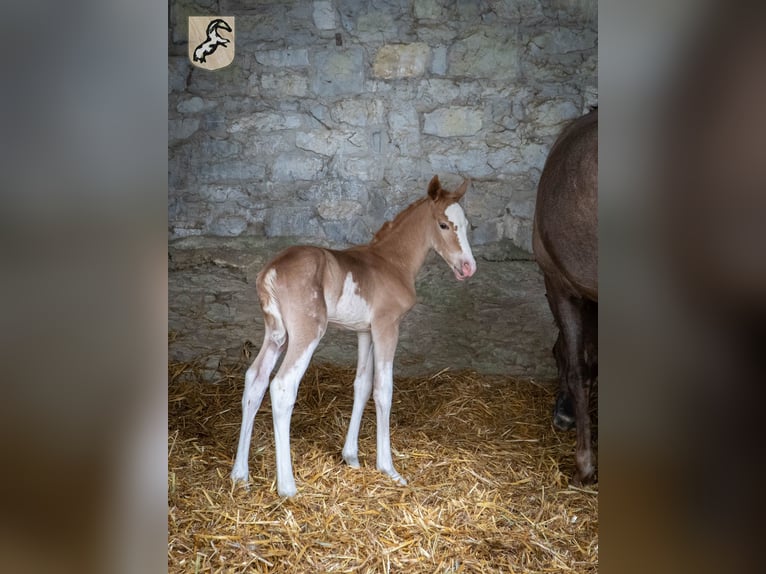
point(466, 269)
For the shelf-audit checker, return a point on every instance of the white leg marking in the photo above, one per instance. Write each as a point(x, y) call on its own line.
point(256, 381)
point(384, 387)
point(284, 388)
point(362, 390)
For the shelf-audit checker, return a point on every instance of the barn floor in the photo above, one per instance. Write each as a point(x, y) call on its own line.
point(488, 480)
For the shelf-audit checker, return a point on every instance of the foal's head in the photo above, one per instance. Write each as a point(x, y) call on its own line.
point(450, 239)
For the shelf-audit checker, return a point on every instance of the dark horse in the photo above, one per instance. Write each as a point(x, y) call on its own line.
point(565, 243)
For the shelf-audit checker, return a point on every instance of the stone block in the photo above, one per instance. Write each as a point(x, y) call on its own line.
point(284, 85)
point(558, 54)
point(292, 167)
point(328, 143)
point(297, 221)
point(485, 54)
point(453, 121)
point(430, 9)
point(192, 105)
point(181, 129)
point(532, 156)
point(231, 80)
point(487, 231)
point(584, 11)
point(401, 61)
point(521, 10)
point(519, 231)
point(365, 168)
point(233, 170)
point(442, 91)
point(339, 209)
point(268, 122)
point(215, 124)
point(338, 71)
point(213, 148)
point(228, 225)
point(324, 15)
point(358, 112)
point(354, 231)
point(222, 194)
point(265, 23)
point(404, 130)
point(403, 118)
point(289, 58)
point(178, 72)
point(262, 147)
point(471, 162)
point(439, 61)
point(376, 26)
point(550, 115)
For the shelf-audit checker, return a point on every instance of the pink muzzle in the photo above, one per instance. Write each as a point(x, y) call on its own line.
point(465, 270)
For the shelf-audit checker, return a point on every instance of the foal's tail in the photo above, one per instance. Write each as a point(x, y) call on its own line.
point(266, 283)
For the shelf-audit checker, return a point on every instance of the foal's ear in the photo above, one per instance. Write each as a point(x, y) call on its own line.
point(433, 188)
point(460, 191)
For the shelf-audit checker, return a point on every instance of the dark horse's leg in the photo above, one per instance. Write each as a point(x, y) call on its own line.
point(563, 409)
point(576, 332)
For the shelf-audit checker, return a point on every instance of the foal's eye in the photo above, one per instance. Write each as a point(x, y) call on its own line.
point(443, 225)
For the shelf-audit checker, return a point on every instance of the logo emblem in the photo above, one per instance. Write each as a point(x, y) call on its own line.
point(211, 41)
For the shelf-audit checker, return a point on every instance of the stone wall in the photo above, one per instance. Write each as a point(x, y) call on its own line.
point(336, 113)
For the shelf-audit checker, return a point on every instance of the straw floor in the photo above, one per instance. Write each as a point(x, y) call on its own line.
point(488, 481)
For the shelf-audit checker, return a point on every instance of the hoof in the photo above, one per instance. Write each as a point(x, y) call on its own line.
point(584, 475)
point(351, 460)
point(579, 480)
point(563, 413)
point(397, 478)
point(238, 475)
point(288, 491)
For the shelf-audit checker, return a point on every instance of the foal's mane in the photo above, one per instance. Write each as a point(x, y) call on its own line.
point(388, 227)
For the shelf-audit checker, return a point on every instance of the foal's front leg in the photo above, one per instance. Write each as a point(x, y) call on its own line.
point(384, 346)
point(362, 390)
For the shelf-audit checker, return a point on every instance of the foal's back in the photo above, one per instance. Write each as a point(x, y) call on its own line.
point(345, 287)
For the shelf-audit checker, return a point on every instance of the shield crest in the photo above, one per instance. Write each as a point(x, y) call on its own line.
point(211, 41)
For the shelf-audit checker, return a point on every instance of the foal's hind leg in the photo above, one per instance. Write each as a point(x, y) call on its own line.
point(362, 390)
point(256, 381)
point(284, 388)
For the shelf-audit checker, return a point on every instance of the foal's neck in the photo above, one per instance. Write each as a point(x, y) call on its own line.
point(406, 240)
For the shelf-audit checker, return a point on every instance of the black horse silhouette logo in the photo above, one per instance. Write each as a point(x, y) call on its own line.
point(213, 40)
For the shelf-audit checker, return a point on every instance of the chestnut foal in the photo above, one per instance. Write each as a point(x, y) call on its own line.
point(368, 289)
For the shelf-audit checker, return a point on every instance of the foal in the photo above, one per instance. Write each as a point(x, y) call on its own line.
point(367, 289)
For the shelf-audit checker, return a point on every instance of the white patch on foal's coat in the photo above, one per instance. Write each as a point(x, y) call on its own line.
point(284, 389)
point(271, 307)
point(350, 310)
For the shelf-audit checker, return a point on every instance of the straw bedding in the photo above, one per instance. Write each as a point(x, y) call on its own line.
point(488, 480)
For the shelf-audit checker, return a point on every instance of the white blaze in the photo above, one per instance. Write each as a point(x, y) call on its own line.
point(456, 216)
